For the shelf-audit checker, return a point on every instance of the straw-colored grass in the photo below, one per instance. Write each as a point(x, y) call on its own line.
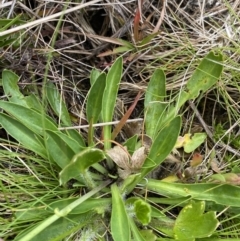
point(65, 52)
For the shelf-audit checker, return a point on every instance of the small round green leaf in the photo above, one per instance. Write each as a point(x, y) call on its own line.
point(143, 211)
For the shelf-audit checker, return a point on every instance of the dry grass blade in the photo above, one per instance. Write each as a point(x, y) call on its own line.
point(186, 30)
point(156, 29)
point(47, 18)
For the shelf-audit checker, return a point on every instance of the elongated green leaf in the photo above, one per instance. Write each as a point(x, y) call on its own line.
point(57, 103)
point(94, 75)
point(6, 42)
point(37, 213)
point(206, 74)
point(121, 49)
point(126, 44)
point(22, 134)
point(147, 39)
point(72, 143)
point(156, 90)
point(45, 227)
point(192, 216)
point(76, 136)
point(204, 77)
point(136, 233)
point(153, 104)
point(32, 102)
point(163, 144)
point(10, 87)
point(94, 102)
point(110, 96)
point(61, 228)
point(80, 162)
point(97, 204)
point(6, 23)
point(223, 194)
point(58, 147)
point(120, 227)
point(34, 120)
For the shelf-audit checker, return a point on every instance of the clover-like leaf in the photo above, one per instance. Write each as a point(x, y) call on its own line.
point(193, 223)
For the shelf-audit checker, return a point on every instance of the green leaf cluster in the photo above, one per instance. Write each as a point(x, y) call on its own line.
point(129, 218)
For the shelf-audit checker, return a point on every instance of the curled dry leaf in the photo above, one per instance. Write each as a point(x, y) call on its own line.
point(138, 158)
point(127, 165)
point(120, 156)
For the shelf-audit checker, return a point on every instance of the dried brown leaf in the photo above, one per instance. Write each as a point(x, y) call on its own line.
point(120, 156)
point(147, 141)
point(214, 165)
point(138, 158)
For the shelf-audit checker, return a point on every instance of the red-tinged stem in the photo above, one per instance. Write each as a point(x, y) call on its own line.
point(125, 117)
point(136, 25)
